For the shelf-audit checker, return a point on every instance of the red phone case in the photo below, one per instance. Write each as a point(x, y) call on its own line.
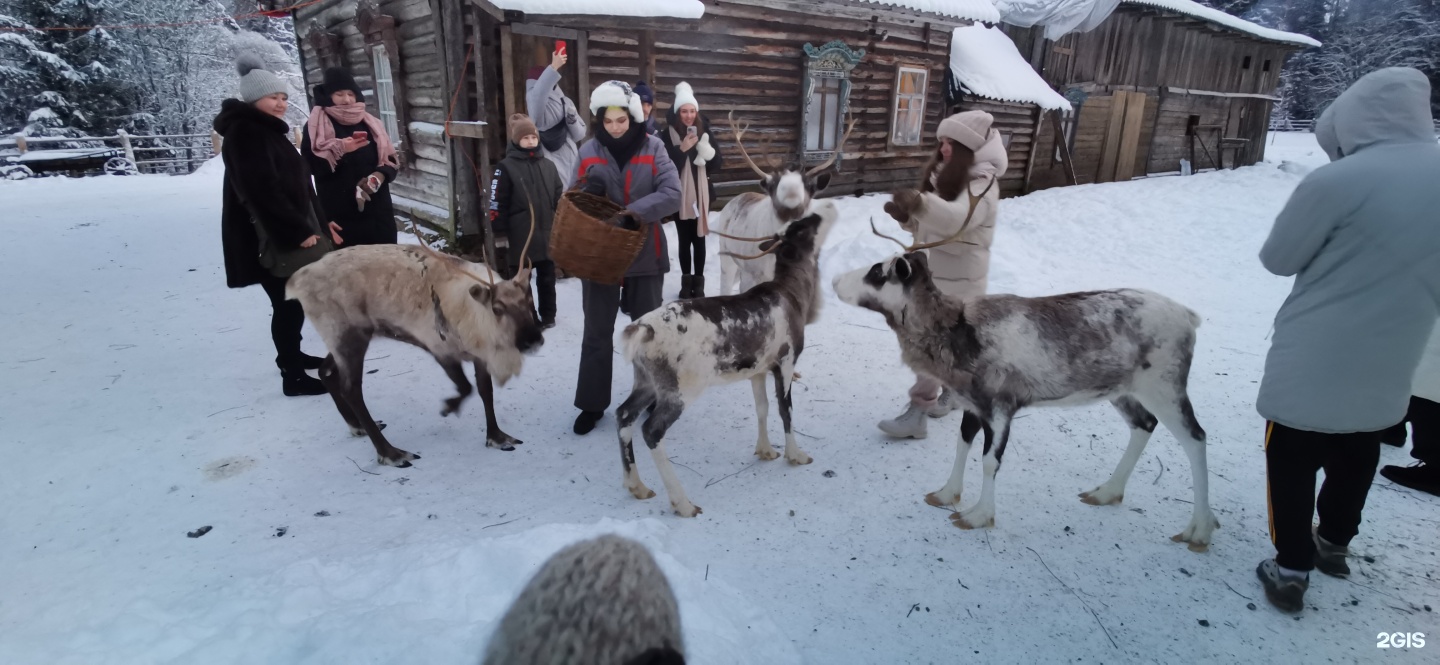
point(560, 46)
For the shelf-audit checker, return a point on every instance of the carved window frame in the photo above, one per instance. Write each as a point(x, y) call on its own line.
point(922, 95)
point(379, 30)
point(833, 61)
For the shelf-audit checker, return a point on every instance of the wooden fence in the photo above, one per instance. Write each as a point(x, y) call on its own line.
point(169, 154)
point(1309, 126)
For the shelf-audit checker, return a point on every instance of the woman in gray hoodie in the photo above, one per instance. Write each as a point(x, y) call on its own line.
point(1361, 235)
point(561, 127)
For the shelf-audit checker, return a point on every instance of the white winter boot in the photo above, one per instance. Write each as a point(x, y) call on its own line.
point(908, 425)
point(948, 402)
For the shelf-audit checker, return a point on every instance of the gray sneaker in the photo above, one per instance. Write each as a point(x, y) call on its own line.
point(1330, 558)
point(908, 425)
point(1284, 592)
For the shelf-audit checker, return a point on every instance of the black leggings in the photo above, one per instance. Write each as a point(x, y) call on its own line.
point(691, 243)
point(1292, 458)
point(285, 323)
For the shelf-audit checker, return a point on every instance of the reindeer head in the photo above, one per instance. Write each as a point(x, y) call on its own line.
point(886, 286)
point(792, 187)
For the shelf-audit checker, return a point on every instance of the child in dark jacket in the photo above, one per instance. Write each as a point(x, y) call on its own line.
point(527, 186)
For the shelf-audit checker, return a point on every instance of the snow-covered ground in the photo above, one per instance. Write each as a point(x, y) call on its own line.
point(139, 402)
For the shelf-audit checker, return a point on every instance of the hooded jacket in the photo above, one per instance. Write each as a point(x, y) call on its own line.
point(267, 183)
point(961, 270)
point(548, 107)
point(1361, 235)
point(647, 185)
point(524, 181)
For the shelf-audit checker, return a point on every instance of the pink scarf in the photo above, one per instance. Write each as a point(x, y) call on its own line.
point(322, 134)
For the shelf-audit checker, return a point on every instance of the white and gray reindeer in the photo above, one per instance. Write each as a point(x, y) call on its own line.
point(684, 347)
point(1002, 353)
point(753, 217)
point(418, 296)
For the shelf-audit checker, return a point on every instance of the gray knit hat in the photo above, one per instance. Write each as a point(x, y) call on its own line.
point(256, 82)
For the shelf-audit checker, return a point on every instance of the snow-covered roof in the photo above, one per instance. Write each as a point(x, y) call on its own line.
point(1197, 10)
point(639, 8)
point(986, 62)
point(974, 10)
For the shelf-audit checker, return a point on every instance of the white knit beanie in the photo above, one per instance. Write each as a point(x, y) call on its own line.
point(970, 129)
point(256, 82)
point(684, 94)
point(618, 94)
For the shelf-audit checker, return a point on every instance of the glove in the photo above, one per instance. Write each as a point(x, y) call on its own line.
point(362, 196)
point(501, 242)
point(594, 182)
point(626, 221)
point(903, 204)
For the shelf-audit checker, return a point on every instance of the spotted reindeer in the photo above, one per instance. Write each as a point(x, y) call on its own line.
point(1002, 353)
point(687, 346)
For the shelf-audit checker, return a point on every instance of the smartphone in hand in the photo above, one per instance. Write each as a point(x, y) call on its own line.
point(360, 136)
point(560, 46)
point(692, 130)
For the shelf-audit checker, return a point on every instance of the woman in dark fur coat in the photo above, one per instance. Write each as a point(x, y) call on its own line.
point(267, 191)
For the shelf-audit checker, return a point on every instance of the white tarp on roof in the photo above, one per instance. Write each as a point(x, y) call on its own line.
point(1197, 10)
point(1063, 16)
point(986, 62)
point(1059, 17)
point(975, 10)
point(645, 8)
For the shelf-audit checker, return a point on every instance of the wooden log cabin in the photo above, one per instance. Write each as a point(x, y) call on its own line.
point(440, 70)
point(1159, 84)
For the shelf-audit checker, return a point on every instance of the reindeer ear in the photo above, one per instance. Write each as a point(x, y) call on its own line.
point(481, 294)
point(822, 181)
point(919, 261)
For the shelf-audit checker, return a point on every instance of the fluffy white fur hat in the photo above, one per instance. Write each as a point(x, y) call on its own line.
point(618, 94)
point(684, 94)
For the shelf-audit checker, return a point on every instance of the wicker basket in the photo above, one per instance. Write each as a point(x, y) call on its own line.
point(582, 244)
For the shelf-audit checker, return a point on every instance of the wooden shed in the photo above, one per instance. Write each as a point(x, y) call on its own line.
point(794, 70)
point(1158, 87)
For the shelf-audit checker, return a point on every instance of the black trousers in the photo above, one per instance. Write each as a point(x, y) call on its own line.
point(286, 319)
point(597, 349)
point(691, 244)
point(1424, 420)
point(544, 280)
point(1292, 458)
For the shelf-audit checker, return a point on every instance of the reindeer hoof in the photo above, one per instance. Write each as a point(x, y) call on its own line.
point(502, 441)
point(974, 518)
point(1098, 497)
point(687, 509)
point(935, 500)
point(767, 454)
point(800, 459)
point(642, 492)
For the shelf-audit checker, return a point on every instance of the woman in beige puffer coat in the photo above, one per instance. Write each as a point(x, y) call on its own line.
point(959, 188)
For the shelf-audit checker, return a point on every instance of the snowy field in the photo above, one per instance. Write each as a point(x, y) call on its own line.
point(140, 402)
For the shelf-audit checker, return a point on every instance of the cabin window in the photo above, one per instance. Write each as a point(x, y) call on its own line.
point(385, 91)
point(908, 116)
point(1245, 64)
point(826, 97)
point(1266, 66)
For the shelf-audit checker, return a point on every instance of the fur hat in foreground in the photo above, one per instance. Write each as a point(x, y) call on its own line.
point(617, 94)
point(684, 94)
point(602, 601)
point(256, 82)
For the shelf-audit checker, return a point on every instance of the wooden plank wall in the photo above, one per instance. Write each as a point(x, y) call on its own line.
point(425, 178)
point(1017, 120)
point(750, 59)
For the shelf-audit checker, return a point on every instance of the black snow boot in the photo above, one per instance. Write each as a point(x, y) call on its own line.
point(296, 383)
point(697, 287)
point(308, 361)
point(1418, 476)
point(685, 292)
point(585, 423)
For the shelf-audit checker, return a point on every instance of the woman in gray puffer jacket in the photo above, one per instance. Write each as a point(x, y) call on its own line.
point(560, 125)
point(630, 167)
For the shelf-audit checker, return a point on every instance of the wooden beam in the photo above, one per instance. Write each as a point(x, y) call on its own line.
point(489, 8)
point(466, 129)
point(1130, 136)
point(1066, 158)
point(1110, 147)
point(582, 76)
point(535, 30)
point(1034, 149)
point(507, 69)
point(1212, 93)
point(647, 56)
point(480, 21)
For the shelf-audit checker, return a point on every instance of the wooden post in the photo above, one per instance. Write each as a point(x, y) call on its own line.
point(125, 145)
point(481, 21)
point(647, 57)
point(1066, 158)
point(582, 76)
point(215, 143)
point(20, 143)
point(507, 71)
point(464, 195)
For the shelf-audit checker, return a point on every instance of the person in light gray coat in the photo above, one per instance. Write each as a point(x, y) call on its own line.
point(561, 127)
point(1361, 235)
point(632, 168)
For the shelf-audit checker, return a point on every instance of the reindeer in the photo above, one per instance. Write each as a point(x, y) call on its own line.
point(687, 346)
point(603, 601)
point(1002, 353)
point(753, 217)
point(418, 296)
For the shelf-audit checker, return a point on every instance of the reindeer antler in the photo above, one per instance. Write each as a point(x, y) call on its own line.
point(955, 237)
point(763, 254)
point(449, 260)
point(525, 253)
point(713, 232)
point(739, 133)
point(830, 162)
